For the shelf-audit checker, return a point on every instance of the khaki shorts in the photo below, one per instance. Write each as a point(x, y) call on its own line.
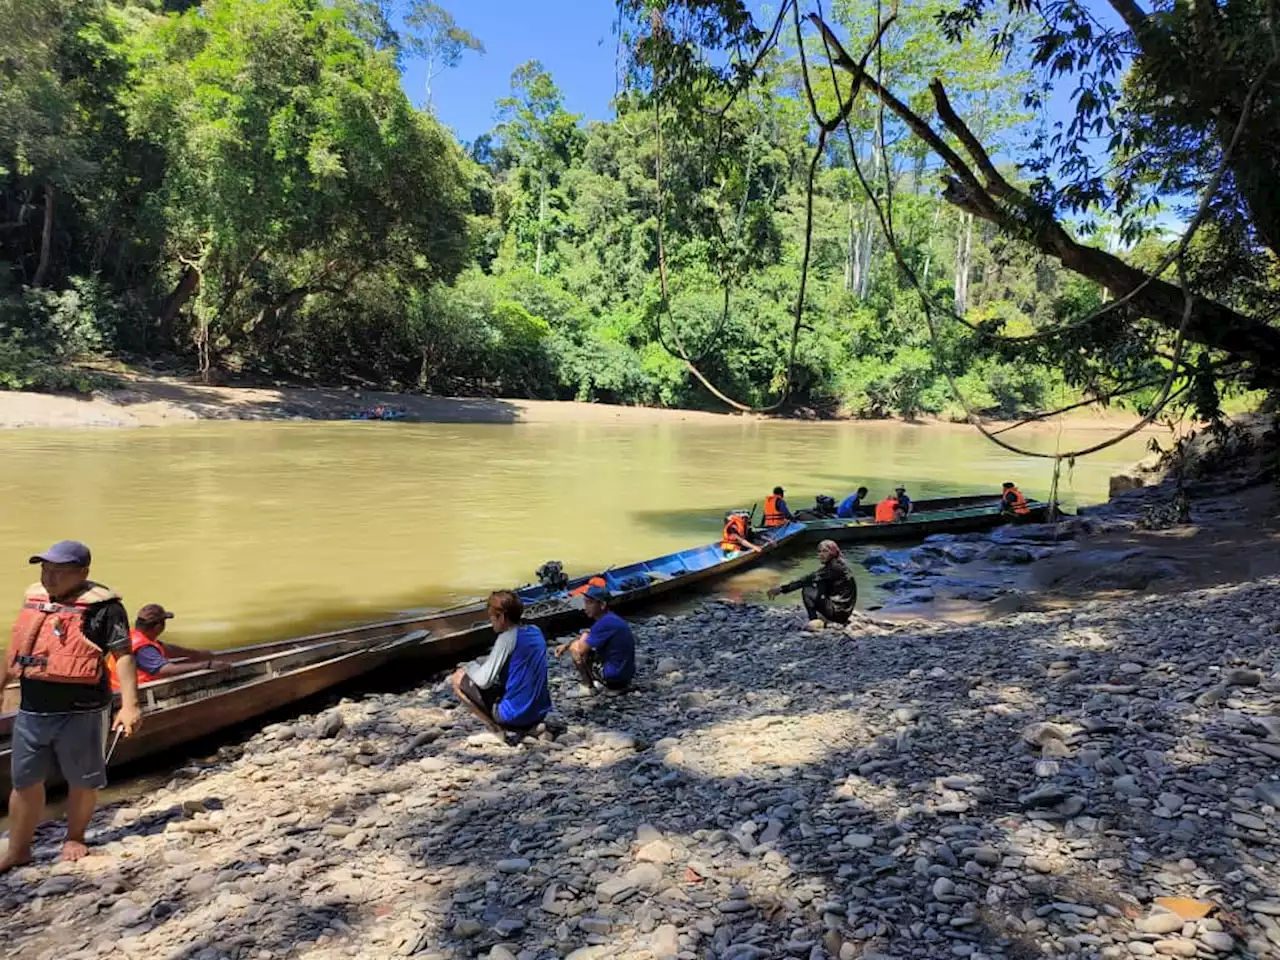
point(77, 742)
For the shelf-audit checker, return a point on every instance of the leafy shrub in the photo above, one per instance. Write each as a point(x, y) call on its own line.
point(69, 324)
point(23, 367)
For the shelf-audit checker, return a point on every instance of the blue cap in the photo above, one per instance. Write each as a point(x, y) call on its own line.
point(71, 552)
point(597, 592)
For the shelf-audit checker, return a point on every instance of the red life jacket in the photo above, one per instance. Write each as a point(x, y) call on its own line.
point(137, 641)
point(593, 582)
point(1019, 501)
point(735, 525)
point(886, 510)
point(772, 512)
point(48, 641)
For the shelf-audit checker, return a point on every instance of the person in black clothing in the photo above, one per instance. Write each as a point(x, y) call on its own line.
point(66, 628)
point(830, 592)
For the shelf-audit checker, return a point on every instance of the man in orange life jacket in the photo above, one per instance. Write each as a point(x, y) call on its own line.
point(1012, 500)
point(153, 659)
point(736, 537)
point(67, 626)
point(776, 511)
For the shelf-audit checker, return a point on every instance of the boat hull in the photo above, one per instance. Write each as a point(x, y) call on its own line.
point(943, 515)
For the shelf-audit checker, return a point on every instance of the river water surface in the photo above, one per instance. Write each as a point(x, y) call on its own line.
point(256, 531)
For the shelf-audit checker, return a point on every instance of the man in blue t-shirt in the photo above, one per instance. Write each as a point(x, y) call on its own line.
point(508, 690)
point(605, 655)
point(848, 508)
point(904, 502)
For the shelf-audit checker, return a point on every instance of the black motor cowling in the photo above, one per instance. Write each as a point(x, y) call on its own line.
point(552, 576)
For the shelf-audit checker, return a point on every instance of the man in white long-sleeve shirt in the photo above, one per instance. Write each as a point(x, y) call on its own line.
point(508, 691)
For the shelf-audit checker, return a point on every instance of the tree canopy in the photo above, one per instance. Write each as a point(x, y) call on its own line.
point(866, 209)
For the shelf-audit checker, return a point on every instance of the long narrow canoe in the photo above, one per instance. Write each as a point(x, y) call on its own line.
point(940, 515)
point(267, 677)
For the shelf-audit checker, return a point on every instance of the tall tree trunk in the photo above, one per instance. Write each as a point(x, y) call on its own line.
point(928, 257)
point(46, 238)
point(852, 255)
point(187, 286)
point(867, 244)
point(870, 220)
point(542, 218)
point(964, 261)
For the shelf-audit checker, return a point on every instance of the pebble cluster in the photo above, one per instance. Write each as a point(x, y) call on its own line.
point(1094, 782)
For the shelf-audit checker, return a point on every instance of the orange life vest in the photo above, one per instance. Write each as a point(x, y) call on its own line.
point(593, 582)
point(734, 526)
point(772, 512)
point(886, 510)
point(1019, 501)
point(138, 640)
point(48, 640)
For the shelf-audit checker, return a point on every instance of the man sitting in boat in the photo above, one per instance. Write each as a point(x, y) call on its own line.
point(736, 537)
point(848, 508)
point(508, 690)
point(155, 659)
point(1012, 500)
point(830, 592)
point(605, 655)
point(889, 510)
point(904, 502)
point(776, 511)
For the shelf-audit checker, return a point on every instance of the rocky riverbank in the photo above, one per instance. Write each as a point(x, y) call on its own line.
point(1094, 782)
point(1135, 542)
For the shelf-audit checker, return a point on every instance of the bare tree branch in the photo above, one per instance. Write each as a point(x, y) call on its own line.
point(1210, 322)
point(1134, 17)
point(996, 183)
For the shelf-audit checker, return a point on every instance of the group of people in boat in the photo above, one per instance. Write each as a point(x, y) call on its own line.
point(892, 509)
point(830, 593)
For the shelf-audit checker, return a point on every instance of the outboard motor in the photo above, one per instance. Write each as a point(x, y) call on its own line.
point(552, 576)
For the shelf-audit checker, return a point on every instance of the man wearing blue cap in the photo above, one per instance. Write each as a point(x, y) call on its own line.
point(67, 626)
point(605, 655)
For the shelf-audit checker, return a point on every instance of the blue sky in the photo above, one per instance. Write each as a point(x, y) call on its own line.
point(573, 39)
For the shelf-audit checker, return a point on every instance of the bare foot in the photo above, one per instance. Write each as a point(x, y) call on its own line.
point(74, 850)
point(13, 861)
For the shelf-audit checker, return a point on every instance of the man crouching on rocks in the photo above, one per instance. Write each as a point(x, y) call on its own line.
point(508, 690)
point(67, 626)
point(829, 593)
point(605, 655)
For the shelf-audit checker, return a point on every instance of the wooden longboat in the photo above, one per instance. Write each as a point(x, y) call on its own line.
point(267, 677)
point(966, 514)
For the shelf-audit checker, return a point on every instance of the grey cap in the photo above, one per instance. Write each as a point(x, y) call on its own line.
point(70, 552)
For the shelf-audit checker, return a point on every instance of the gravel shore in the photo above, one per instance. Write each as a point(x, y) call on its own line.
point(1035, 785)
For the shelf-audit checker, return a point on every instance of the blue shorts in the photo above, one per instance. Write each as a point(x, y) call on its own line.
point(77, 742)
